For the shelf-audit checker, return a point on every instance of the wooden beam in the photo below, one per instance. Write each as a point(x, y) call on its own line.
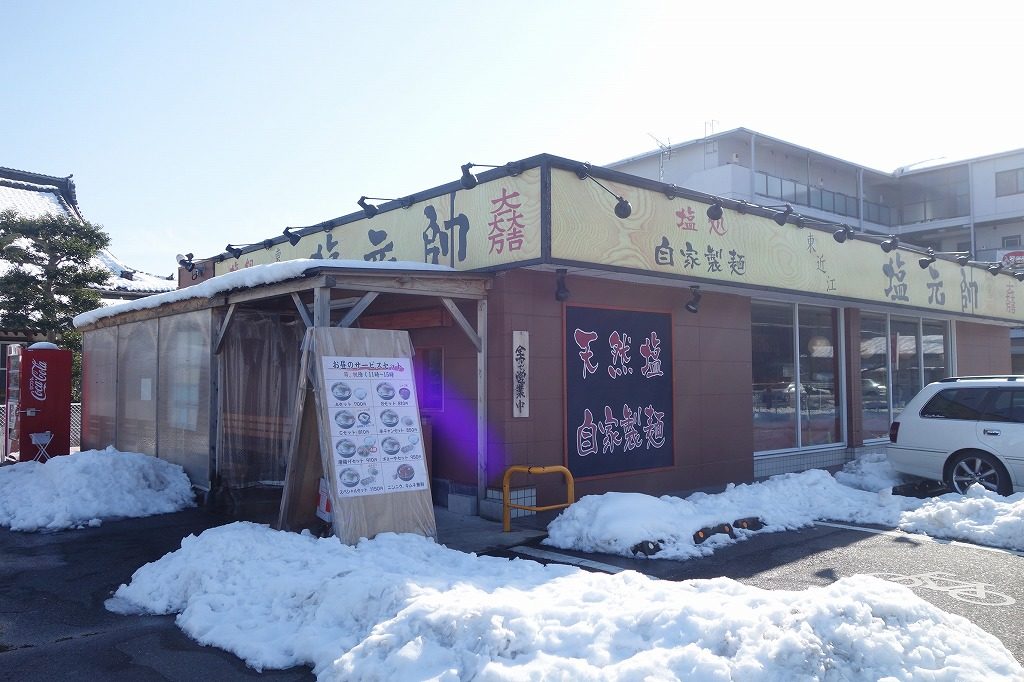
point(322, 307)
point(224, 329)
point(461, 320)
point(303, 310)
point(278, 289)
point(358, 309)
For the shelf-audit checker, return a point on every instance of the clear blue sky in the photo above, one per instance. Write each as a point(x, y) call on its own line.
point(188, 125)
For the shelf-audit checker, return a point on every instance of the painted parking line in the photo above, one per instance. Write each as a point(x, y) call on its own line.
point(565, 559)
point(923, 538)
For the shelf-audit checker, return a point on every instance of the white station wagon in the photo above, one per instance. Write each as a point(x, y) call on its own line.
point(963, 430)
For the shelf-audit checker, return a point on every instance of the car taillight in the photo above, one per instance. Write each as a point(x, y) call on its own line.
point(894, 431)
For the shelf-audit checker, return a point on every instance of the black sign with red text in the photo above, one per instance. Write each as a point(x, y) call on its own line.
point(618, 374)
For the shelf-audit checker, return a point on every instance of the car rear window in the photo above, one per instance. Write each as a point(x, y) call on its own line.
point(955, 403)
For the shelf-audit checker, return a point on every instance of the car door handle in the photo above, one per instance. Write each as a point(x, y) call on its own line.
point(991, 432)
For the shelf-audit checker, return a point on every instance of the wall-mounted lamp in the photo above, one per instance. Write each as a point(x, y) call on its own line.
point(469, 181)
point(561, 291)
point(267, 243)
point(622, 207)
point(185, 261)
point(961, 257)
point(1019, 275)
point(843, 233)
point(781, 217)
point(995, 268)
point(694, 303)
point(890, 244)
point(235, 251)
point(673, 191)
point(369, 210)
point(293, 238)
point(715, 211)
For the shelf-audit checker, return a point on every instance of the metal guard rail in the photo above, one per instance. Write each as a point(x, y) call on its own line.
point(507, 506)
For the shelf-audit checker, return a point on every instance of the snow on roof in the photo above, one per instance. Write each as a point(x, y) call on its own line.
point(30, 200)
point(257, 275)
point(139, 282)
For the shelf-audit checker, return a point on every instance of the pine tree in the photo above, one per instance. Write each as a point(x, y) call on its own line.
point(49, 279)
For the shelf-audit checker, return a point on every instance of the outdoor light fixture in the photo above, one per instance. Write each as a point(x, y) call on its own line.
point(780, 218)
point(293, 238)
point(694, 303)
point(622, 207)
point(715, 211)
point(267, 243)
point(1019, 275)
point(561, 291)
point(185, 261)
point(890, 244)
point(925, 261)
point(843, 233)
point(994, 268)
point(469, 181)
point(235, 251)
point(961, 257)
point(369, 210)
point(673, 191)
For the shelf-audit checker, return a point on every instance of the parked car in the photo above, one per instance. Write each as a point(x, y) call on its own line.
point(872, 388)
point(808, 392)
point(962, 431)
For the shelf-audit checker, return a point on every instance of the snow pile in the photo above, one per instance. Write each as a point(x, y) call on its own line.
point(871, 471)
point(400, 607)
point(83, 488)
point(980, 516)
point(614, 523)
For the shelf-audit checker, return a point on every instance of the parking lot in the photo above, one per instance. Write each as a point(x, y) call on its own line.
point(53, 624)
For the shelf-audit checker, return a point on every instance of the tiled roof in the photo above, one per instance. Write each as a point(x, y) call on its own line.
point(31, 199)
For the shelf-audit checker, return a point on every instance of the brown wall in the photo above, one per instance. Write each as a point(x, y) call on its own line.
point(712, 374)
point(982, 349)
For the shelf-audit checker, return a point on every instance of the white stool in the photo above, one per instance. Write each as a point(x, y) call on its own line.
point(41, 440)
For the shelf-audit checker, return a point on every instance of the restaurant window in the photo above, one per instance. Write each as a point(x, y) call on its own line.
point(874, 376)
point(428, 368)
point(1010, 182)
point(795, 376)
point(1011, 241)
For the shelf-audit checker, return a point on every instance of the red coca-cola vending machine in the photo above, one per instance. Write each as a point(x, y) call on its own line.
point(37, 423)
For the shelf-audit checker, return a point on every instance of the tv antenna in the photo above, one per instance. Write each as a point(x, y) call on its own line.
point(666, 153)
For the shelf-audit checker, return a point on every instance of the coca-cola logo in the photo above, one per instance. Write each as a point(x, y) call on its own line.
point(37, 380)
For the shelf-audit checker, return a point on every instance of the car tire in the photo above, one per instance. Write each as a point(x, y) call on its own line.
point(975, 466)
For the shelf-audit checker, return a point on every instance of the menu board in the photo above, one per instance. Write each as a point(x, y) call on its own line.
point(376, 439)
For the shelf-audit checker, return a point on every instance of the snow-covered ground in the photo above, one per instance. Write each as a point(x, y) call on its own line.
point(401, 607)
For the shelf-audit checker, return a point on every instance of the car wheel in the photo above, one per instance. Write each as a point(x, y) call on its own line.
point(975, 466)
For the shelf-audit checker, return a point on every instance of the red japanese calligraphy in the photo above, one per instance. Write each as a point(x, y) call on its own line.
point(630, 420)
point(654, 429)
point(583, 340)
point(619, 344)
point(609, 429)
point(650, 350)
point(586, 435)
point(506, 223)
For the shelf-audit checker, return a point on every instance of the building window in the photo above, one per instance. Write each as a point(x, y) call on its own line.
point(796, 379)
point(1011, 241)
point(1010, 182)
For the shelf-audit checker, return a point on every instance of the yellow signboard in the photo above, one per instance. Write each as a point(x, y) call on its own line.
point(675, 236)
point(494, 224)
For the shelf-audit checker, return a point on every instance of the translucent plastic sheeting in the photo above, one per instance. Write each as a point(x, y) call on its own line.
point(99, 388)
point(137, 387)
point(183, 426)
point(259, 365)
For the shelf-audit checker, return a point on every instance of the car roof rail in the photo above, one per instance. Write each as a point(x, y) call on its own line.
point(1007, 377)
